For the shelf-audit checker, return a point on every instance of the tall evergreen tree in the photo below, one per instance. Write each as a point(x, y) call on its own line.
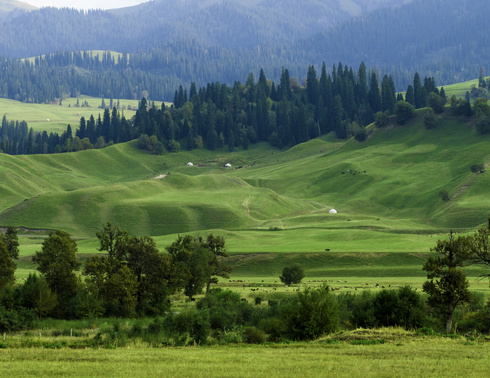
point(374, 95)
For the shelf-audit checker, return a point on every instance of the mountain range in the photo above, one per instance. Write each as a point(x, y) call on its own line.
point(215, 40)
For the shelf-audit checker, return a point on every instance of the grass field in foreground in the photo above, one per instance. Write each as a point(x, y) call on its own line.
point(401, 354)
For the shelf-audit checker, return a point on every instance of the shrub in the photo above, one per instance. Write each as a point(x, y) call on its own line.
point(200, 327)
point(311, 314)
point(404, 112)
point(225, 308)
point(253, 335)
point(403, 307)
point(444, 195)
point(274, 327)
point(430, 120)
point(426, 331)
point(381, 119)
point(361, 134)
point(363, 311)
point(476, 168)
point(436, 102)
point(483, 125)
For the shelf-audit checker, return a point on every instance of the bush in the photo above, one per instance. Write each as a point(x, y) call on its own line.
point(361, 134)
point(274, 327)
point(381, 119)
point(225, 308)
point(436, 102)
point(444, 195)
point(430, 120)
point(477, 168)
point(483, 125)
point(15, 320)
point(253, 335)
point(404, 112)
point(388, 308)
point(311, 314)
point(363, 311)
point(200, 327)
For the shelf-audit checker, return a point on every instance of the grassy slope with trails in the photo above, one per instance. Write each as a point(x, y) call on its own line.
point(393, 206)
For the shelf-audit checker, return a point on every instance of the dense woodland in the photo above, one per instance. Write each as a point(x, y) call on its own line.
point(215, 116)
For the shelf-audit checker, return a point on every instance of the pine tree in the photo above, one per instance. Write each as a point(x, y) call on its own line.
point(374, 95)
point(312, 85)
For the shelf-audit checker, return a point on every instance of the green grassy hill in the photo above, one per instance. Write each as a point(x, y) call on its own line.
point(55, 117)
point(385, 190)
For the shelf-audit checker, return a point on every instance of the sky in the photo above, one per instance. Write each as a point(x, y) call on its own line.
point(84, 4)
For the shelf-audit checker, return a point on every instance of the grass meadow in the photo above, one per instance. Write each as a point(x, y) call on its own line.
point(55, 117)
point(373, 353)
point(272, 208)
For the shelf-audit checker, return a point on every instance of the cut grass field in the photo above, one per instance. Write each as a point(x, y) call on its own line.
point(383, 353)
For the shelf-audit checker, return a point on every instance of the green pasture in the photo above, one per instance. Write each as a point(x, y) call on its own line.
point(55, 117)
point(385, 191)
point(459, 89)
point(272, 206)
point(372, 353)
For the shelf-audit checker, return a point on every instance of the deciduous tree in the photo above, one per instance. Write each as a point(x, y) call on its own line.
point(292, 274)
point(57, 262)
point(447, 285)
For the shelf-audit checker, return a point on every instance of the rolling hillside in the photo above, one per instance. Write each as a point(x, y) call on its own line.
point(385, 189)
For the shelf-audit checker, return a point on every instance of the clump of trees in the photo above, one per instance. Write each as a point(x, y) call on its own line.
point(132, 278)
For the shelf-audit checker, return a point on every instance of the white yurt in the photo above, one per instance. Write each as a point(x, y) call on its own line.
point(189, 164)
point(227, 165)
point(333, 211)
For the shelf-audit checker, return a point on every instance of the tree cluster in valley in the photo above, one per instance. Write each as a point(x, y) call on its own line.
point(131, 277)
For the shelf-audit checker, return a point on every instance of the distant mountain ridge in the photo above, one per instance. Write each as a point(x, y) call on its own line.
point(188, 41)
point(232, 24)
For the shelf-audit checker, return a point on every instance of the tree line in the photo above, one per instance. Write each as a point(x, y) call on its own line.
point(216, 115)
point(131, 278)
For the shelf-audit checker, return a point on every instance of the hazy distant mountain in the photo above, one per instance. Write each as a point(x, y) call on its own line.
point(239, 24)
point(182, 41)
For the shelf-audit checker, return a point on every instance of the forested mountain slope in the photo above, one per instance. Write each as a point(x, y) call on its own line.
point(443, 38)
point(173, 43)
point(231, 24)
